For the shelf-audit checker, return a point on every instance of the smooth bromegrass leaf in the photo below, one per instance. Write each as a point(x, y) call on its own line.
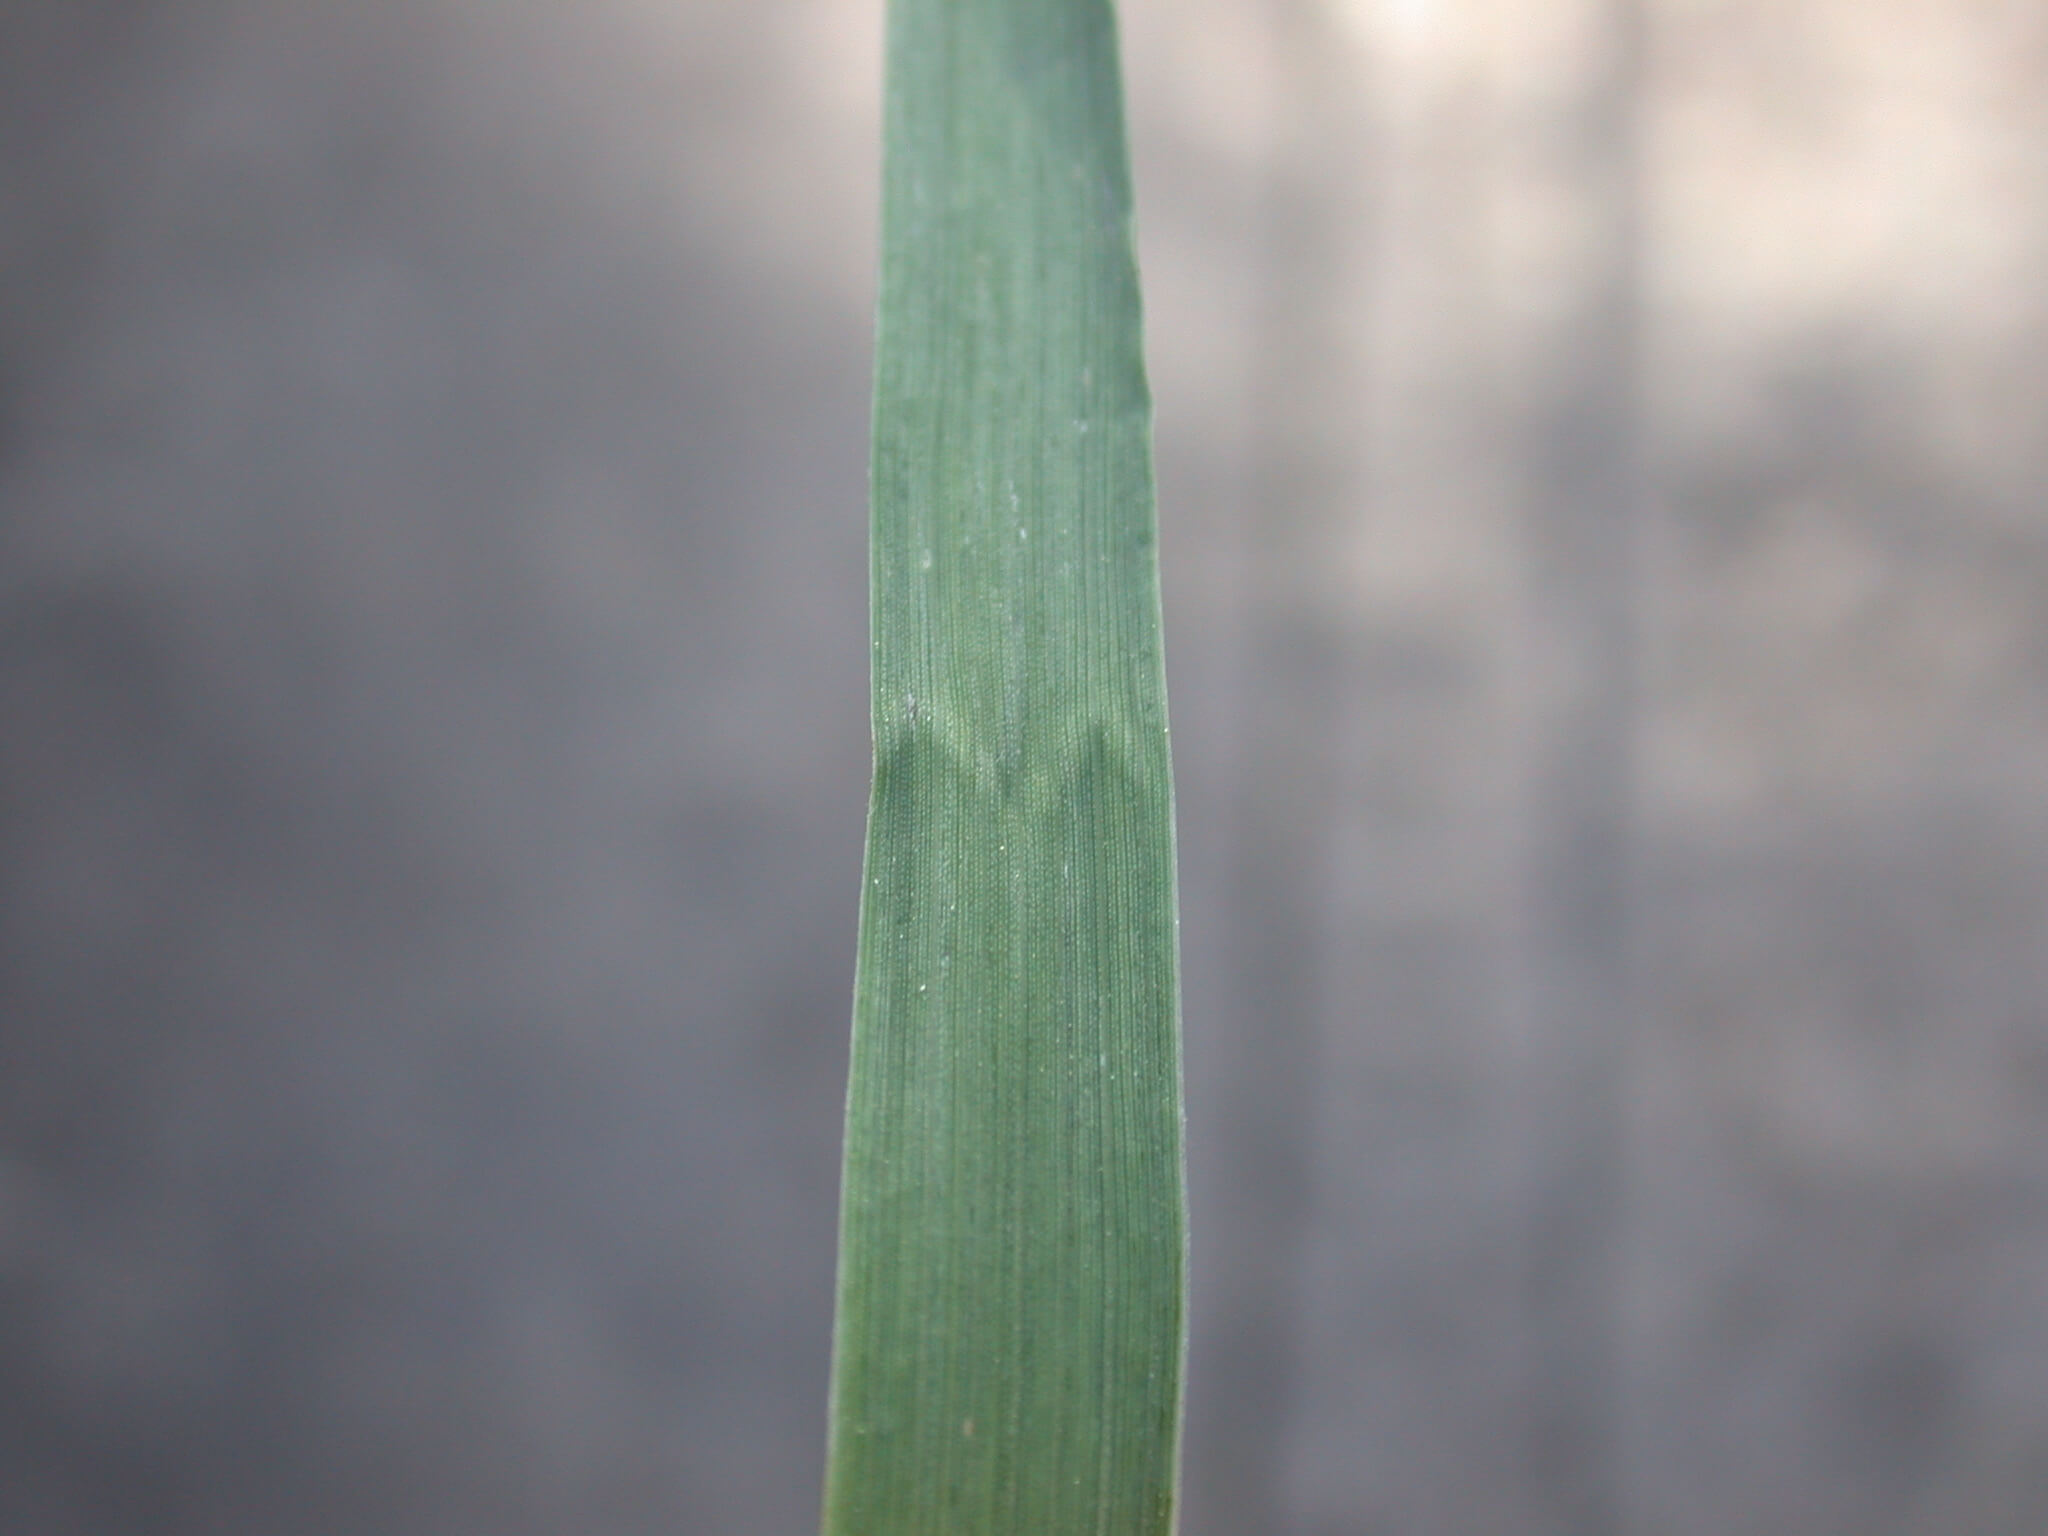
point(1012, 1243)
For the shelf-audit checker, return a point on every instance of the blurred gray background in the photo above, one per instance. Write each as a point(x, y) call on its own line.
point(1604, 465)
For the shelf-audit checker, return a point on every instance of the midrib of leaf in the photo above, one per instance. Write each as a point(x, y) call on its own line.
point(1012, 1242)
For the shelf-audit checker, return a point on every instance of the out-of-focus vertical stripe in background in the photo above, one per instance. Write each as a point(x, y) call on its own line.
point(1604, 468)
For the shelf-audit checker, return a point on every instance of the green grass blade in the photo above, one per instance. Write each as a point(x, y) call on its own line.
point(1012, 1244)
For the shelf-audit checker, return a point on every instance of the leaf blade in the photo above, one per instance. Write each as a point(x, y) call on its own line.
point(1012, 1264)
